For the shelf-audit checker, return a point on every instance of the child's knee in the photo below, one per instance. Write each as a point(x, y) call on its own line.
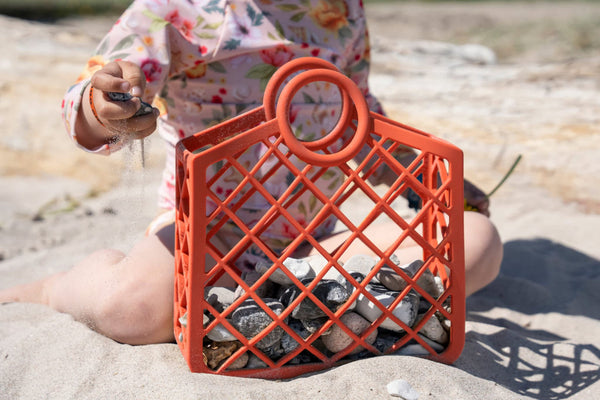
point(134, 318)
point(483, 245)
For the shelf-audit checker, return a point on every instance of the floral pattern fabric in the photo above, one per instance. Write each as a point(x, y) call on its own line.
point(207, 61)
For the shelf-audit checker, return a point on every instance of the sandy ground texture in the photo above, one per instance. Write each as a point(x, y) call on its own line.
point(496, 79)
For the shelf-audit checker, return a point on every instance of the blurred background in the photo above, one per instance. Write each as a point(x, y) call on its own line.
point(497, 78)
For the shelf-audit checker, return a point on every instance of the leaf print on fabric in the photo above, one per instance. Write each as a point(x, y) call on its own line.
point(263, 72)
point(288, 7)
point(218, 116)
point(298, 17)
point(213, 7)
point(158, 23)
point(232, 44)
point(217, 67)
point(255, 17)
point(127, 41)
point(243, 27)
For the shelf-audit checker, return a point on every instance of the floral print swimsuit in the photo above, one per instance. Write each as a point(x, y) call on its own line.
point(207, 61)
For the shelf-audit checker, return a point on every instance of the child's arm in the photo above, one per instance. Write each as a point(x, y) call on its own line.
point(102, 121)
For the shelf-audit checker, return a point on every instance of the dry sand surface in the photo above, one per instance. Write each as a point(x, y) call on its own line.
point(533, 333)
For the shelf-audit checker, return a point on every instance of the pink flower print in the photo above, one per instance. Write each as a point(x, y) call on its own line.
point(184, 26)
point(293, 114)
point(203, 50)
point(151, 68)
point(276, 56)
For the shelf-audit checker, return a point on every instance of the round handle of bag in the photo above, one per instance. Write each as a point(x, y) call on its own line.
point(307, 64)
point(303, 150)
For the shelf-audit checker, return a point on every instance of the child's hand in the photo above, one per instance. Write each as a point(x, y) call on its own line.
point(119, 117)
point(476, 199)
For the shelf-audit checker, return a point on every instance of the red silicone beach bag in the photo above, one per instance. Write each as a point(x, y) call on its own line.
point(276, 322)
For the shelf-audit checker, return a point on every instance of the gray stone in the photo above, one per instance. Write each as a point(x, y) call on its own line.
point(288, 343)
point(255, 363)
point(144, 109)
point(393, 281)
point(434, 330)
point(267, 290)
point(360, 263)
point(220, 334)
point(250, 320)
point(318, 262)
point(298, 267)
point(349, 286)
point(405, 311)
point(219, 297)
point(385, 340)
point(415, 349)
point(329, 292)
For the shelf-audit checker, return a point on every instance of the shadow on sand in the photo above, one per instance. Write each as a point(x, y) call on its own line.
point(537, 277)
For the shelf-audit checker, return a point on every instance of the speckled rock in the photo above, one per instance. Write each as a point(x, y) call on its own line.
point(338, 339)
point(329, 292)
point(250, 319)
point(298, 267)
point(288, 343)
point(406, 310)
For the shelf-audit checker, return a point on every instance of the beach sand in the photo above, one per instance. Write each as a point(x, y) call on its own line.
point(533, 333)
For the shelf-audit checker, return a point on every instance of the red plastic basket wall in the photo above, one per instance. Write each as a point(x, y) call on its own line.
point(435, 176)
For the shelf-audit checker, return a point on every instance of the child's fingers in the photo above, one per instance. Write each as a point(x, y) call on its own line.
point(115, 110)
point(110, 79)
point(133, 74)
point(135, 127)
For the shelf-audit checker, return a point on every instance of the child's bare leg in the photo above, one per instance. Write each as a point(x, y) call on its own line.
point(483, 248)
point(127, 298)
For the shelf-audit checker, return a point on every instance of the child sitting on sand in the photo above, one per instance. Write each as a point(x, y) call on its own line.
point(201, 63)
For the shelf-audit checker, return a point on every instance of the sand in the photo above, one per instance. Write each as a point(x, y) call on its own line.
point(533, 333)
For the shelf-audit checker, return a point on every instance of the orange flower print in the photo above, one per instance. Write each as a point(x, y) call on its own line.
point(330, 15)
point(276, 56)
point(93, 64)
point(161, 104)
point(197, 71)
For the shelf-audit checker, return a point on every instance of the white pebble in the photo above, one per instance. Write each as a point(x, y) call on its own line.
point(401, 388)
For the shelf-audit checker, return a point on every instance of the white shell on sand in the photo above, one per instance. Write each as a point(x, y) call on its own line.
point(403, 389)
